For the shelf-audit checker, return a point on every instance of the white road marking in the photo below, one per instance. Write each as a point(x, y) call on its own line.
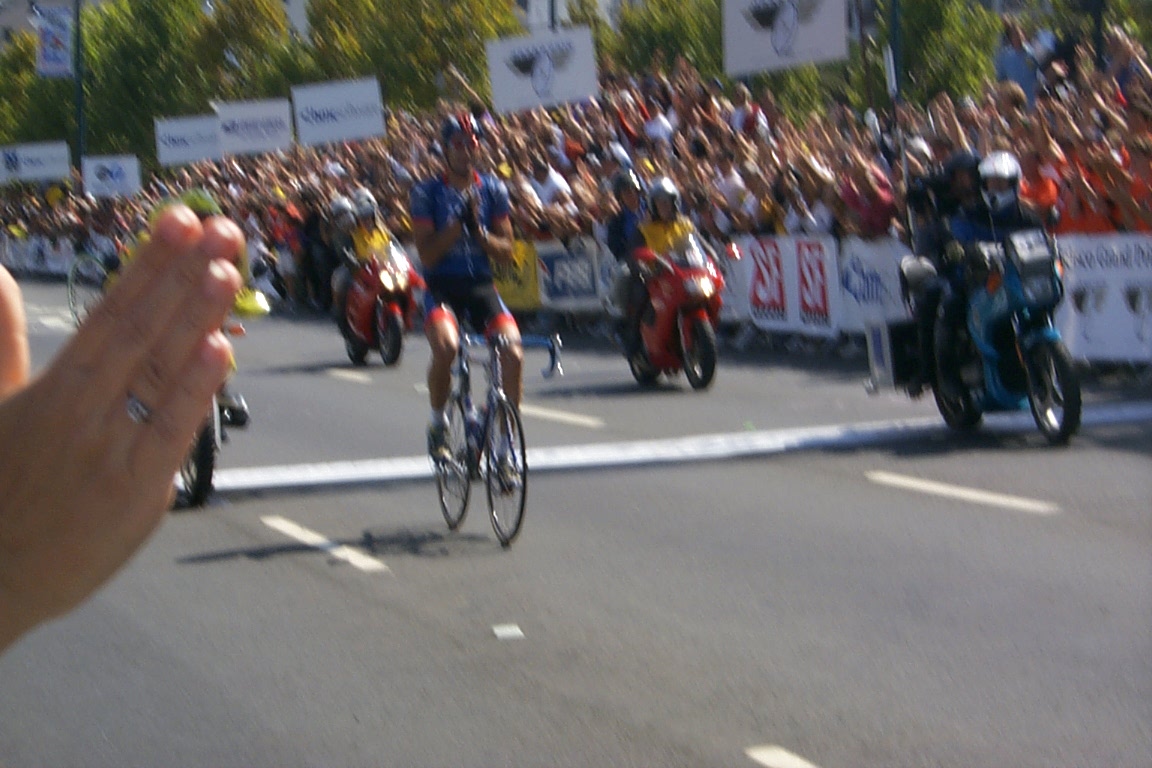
point(507, 632)
point(313, 539)
point(564, 417)
point(737, 445)
point(772, 756)
point(974, 495)
point(358, 377)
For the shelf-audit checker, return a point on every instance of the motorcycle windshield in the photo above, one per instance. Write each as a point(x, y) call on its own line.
point(688, 253)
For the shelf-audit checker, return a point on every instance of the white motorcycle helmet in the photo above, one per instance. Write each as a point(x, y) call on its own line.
point(1000, 181)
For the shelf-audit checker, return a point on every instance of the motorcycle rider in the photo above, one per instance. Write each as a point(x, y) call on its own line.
point(664, 227)
point(368, 236)
point(997, 213)
point(461, 224)
point(628, 288)
point(934, 201)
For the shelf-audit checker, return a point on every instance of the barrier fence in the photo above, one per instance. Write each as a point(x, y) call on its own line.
point(808, 286)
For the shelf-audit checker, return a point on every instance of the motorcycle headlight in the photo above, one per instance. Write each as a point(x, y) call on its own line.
point(701, 286)
point(401, 281)
point(386, 280)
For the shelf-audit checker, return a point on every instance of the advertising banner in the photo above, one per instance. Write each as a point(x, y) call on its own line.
point(517, 282)
point(769, 35)
point(111, 175)
point(870, 283)
point(8, 164)
point(340, 111)
point(181, 140)
point(45, 161)
point(794, 285)
point(253, 127)
point(54, 41)
point(567, 276)
point(1106, 314)
point(297, 12)
point(542, 70)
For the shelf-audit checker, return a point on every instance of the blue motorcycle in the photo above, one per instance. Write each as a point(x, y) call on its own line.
point(1008, 354)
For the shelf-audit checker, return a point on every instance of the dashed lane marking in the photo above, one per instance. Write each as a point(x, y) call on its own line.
point(507, 632)
point(972, 495)
point(358, 377)
point(773, 756)
point(312, 539)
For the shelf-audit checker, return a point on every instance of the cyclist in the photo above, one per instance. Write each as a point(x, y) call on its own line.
point(460, 223)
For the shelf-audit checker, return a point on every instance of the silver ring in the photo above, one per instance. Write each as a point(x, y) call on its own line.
point(137, 411)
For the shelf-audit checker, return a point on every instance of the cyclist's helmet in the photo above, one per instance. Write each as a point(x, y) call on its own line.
point(1000, 170)
point(663, 188)
point(626, 179)
point(455, 125)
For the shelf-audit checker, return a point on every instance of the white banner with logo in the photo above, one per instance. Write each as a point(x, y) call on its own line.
point(568, 276)
point(44, 161)
point(340, 111)
point(870, 283)
point(543, 69)
point(181, 140)
point(794, 286)
point(297, 12)
point(1106, 314)
point(769, 35)
point(54, 41)
point(253, 127)
point(111, 175)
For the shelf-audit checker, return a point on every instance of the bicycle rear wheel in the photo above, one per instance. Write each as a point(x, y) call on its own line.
point(454, 476)
point(85, 286)
point(506, 460)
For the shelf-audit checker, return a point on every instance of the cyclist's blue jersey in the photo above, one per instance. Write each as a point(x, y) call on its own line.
point(436, 201)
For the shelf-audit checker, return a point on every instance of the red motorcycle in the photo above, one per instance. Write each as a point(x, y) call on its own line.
point(678, 321)
point(381, 306)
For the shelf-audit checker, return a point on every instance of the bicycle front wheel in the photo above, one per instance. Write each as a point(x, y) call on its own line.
point(85, 286)
point(506, 462)
point(454, 475)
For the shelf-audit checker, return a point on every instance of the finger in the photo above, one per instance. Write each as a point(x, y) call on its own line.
point(207, 311)
point(163, 442)
point(142, 331)
point(174, 233)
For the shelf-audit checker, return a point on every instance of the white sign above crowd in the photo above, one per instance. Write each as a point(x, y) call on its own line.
point(346, 110)
point(770, 35)
point(254, 127)
point(43, 161)
point(181, 140)
point(542, 70)
point(111, 175)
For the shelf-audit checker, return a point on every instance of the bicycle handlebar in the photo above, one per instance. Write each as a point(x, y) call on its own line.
point(531, 341)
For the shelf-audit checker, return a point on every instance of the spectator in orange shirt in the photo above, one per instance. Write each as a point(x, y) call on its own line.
point(1039, 190)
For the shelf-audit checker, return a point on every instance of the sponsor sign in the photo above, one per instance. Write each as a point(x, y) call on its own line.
point(568, 276)
point(45, 161)
point(768, 294)
point(542, 70)
point(770, 35)
point(340, 111)
point(54, 41)
point(870, 283)
point(111, 175)
point(181, 140)
point(794, 286)
point(297, 12)
point(1107, 309)
point(253, 127)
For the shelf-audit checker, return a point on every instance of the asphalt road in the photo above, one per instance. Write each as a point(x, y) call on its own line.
point(774, 585)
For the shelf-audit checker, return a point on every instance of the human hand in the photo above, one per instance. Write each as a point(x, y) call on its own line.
point(84, 483)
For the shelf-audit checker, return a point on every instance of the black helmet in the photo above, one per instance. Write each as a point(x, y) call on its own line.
point(457, 124)
point(626, 179)
point(663, 187)
point(963, 160)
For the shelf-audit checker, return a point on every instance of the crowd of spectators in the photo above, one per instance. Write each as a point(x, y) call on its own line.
point(1083, 136)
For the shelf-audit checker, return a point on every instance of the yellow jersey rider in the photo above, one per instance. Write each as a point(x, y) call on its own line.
point(664, 227)
point(369, 236)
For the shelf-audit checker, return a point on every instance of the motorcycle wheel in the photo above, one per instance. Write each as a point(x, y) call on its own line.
point(199, 466)
point(642, 370)
point(356, 349)
point(700, 360)
point(1054, 391)
point(960, 411)
point(389, 334)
